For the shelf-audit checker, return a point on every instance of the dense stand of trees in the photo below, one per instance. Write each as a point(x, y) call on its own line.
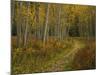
point(49, 20)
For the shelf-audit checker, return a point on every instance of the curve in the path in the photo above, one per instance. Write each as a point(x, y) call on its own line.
point(66, 57)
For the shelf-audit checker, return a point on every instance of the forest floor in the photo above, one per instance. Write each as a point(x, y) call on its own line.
point(72, 54)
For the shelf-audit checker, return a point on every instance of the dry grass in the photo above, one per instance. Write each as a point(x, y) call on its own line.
point(36, 58)
point(86, 57)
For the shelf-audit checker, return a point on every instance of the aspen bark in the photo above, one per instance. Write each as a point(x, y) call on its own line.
point(46, 24)
point(27, 25)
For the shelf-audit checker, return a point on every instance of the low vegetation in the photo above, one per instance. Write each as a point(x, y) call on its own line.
point(57, 56)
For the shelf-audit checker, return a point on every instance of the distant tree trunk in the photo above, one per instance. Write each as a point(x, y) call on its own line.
point(93, 20)
point(80, 27)
point(12, 11)
point(36, 19)
point(46, 24)
point(67, 30)
point(59, 23)
point(27, 25)
point(19, 39)
point(90, 24)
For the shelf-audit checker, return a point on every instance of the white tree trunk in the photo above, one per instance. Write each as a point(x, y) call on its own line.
point(27, 25)
point(46, 24)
